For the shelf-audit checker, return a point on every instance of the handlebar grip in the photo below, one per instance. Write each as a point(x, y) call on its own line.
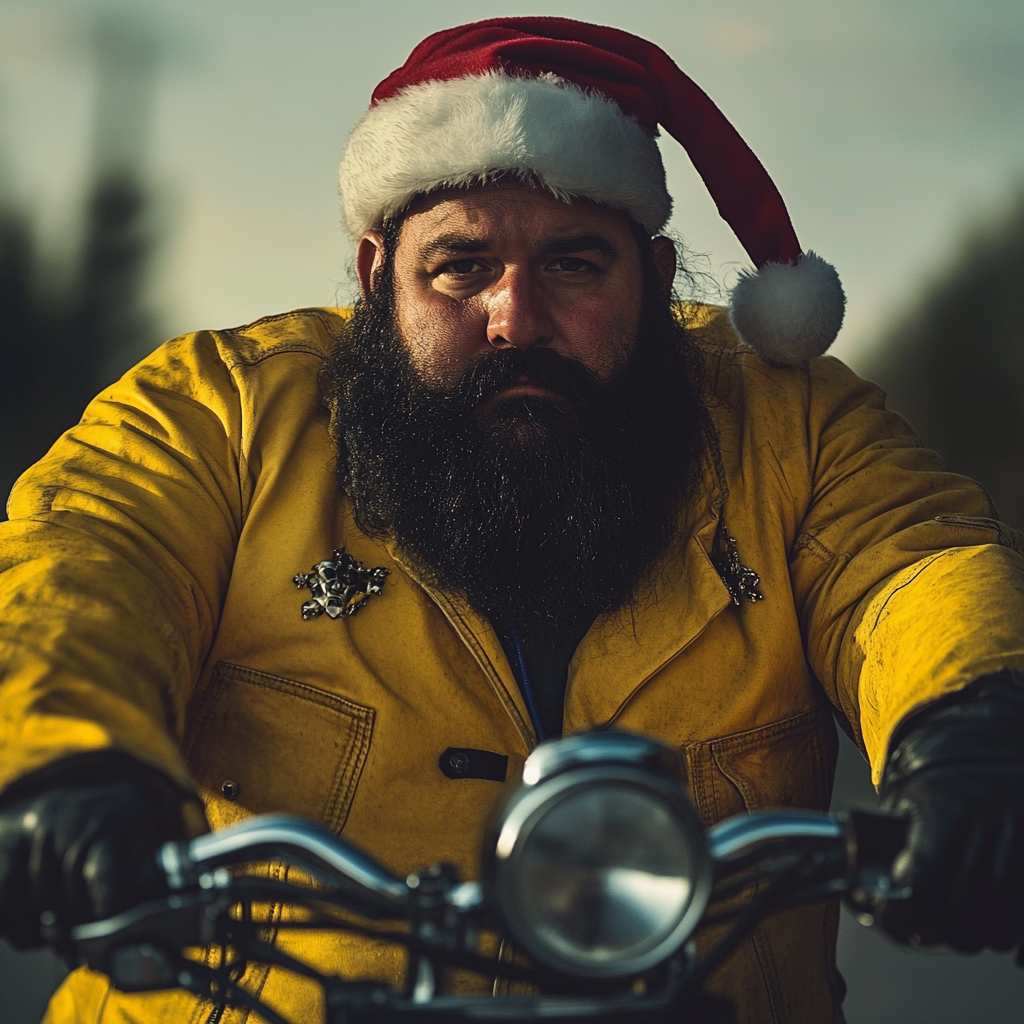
point(875, 839)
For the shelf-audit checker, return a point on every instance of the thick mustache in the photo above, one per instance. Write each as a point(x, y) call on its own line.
point(498, 371)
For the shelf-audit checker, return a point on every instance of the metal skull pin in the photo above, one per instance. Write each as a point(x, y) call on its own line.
point(339, 586)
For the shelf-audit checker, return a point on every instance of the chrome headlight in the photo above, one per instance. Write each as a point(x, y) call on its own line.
point(598, 861)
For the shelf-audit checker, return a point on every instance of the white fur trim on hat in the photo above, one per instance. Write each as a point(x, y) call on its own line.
point(789, 313)
point(460, 132)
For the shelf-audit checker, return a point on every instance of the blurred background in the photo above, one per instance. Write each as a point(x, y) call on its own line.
point(166, 167)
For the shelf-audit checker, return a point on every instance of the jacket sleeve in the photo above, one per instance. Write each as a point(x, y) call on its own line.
point(114, 564)
point(908, 587)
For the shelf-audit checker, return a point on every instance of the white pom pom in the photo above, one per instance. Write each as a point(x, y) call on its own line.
point(789, 313)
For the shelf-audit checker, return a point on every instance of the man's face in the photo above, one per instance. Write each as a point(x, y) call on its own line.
point(511, 267)
point(516, 403)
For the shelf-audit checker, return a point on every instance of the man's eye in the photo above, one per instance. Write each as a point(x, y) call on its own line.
point(571, 265)
point(461, 268)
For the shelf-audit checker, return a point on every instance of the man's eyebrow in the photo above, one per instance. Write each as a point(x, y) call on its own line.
point(453, 245)
point(585, 242)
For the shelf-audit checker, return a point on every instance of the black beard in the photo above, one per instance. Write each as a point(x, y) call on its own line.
point(536, 509)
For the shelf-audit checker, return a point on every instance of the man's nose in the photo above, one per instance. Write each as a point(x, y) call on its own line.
point(517, 315)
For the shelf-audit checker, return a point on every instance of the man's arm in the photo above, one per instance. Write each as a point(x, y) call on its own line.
point(915, 625)
point(907, 586)
point(114, 564)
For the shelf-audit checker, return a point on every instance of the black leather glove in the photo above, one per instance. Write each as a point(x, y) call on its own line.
point(78, 841)
point(957, 771)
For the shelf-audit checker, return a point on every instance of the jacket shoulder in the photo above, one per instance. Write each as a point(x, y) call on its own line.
point(710, 327)
point(216, 367)
point(735, 367)
point(312, 331)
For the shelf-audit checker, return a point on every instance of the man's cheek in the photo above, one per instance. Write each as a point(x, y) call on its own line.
point(605, 349)
point(435, 359)
point(439, 350)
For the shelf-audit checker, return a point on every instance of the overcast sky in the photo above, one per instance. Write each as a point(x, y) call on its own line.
point(888, 125)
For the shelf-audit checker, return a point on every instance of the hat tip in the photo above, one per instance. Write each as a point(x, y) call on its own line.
point(789, 312)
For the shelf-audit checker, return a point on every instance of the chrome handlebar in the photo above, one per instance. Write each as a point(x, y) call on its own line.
point(302, 843)
point(737, 838)
point(337, 863)
point(617, 783)
point(141, 948)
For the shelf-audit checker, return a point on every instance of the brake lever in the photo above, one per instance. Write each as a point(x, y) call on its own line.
point(138, 949)
point(874, 840)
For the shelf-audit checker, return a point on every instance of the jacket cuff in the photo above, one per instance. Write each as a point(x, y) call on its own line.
point(981, 724)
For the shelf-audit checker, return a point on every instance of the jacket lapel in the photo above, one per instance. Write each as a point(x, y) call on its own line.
point(625, 649)
point(479, 636)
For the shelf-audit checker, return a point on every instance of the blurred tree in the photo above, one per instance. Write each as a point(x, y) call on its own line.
point(954, 364)
point(63, 336)
point(69, 329)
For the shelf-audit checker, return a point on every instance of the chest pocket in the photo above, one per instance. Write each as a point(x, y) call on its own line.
point(790, 763)
point(257, 743)
point(785, 971)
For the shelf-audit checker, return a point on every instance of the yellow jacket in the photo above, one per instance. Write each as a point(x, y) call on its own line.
point(148, 604)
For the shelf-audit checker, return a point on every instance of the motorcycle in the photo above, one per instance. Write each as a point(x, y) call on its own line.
point(596, 868)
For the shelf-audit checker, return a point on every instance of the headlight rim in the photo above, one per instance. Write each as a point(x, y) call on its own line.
point(528, 806)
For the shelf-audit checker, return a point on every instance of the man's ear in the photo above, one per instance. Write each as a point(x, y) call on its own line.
point(369, 260)
point(664, 252)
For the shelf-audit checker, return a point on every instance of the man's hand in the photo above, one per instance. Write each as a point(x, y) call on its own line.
point(957, 772)
point(78, 843)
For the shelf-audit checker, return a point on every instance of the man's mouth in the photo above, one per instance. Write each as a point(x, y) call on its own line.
point(523, 387)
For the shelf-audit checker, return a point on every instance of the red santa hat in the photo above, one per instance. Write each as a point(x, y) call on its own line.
point(576, 107)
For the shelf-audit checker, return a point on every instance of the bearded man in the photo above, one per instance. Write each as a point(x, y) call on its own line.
point(538, 498)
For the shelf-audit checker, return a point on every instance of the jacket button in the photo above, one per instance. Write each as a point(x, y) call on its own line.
point(229, 789)
point(459, 763)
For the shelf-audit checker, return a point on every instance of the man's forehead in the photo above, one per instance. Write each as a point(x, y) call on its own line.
point(466, 219)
